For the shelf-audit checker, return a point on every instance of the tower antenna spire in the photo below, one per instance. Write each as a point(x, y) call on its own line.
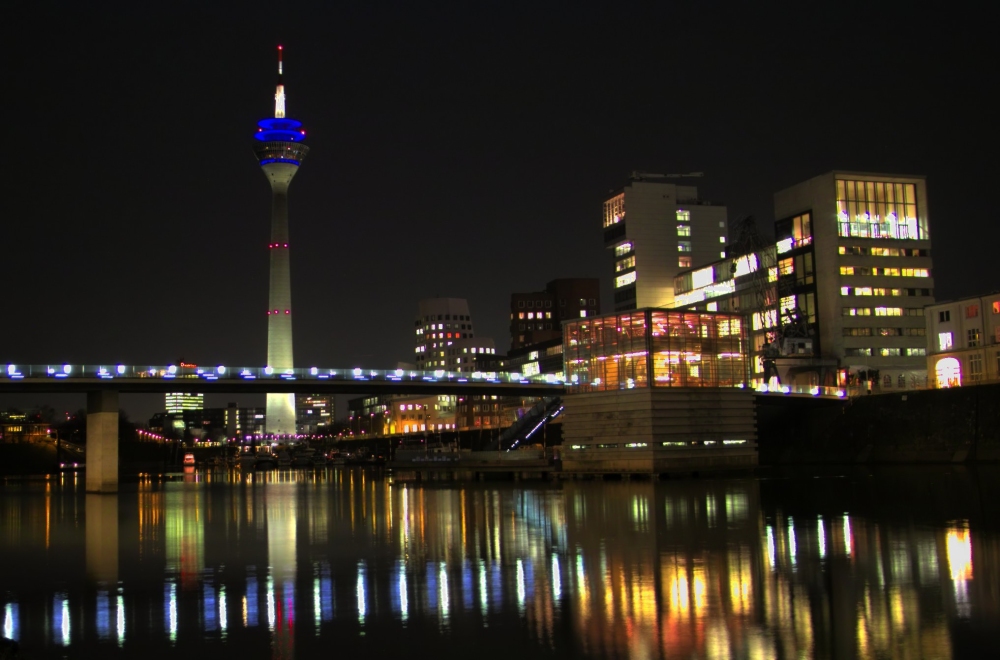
point(279, 95)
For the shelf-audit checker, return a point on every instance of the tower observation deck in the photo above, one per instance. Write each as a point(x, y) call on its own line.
point(280, 151)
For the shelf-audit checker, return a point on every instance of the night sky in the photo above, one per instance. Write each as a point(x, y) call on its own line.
point(457, 150)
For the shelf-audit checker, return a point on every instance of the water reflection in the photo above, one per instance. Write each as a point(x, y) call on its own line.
point(295, 561)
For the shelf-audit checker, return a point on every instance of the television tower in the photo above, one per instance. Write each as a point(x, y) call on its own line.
point(280, 151)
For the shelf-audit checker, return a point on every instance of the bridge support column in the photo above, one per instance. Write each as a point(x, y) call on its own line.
point(102, 442)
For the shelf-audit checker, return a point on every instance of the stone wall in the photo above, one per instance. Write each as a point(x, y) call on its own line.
point(929, 426)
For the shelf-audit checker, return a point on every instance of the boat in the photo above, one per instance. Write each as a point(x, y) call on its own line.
point(265, 458)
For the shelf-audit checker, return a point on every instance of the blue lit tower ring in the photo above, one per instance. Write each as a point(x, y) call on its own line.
point(280, 151)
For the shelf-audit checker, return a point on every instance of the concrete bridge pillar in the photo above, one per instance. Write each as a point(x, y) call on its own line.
point(102, 441)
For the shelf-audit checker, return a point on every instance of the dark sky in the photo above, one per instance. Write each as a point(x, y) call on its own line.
point(458, 150)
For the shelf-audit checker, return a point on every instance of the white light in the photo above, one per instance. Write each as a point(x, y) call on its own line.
point(357, 371)
point(11, 369)
point(120, 369)
point(67, 368)
point(220, 370)
point(268, 370)
point(171, 369)
point(399, 373)
point(314, 371)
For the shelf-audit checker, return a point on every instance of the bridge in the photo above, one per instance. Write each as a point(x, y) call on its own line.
point(103, 384)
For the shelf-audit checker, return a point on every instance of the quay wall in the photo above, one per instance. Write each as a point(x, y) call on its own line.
point(956, 425)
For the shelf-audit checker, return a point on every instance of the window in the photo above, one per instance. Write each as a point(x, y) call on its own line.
point(879, 209)
point(592, 302)
point(623, 249)
point(614, 210)
point(972, 311)
point(583, 313)
point(620, 281)
point(683, 246)
point(859, 311)
point(857, 332)
point(945, 342)
point(888, 311)
point(520, 304)
point(722, 239)
point(683, 216)
point(684, 262)
point(858, 352)
point(973, 337)
point(976, 367)
point(889, 352)
point(901, 381)
point(944, 317)
point(847, 270)
point(887, 381)
point(916, 352)
point(548, 303)
point(548, 315)
point(625, 264)
point(683, 230)
point(787, 266)
point(996, 307)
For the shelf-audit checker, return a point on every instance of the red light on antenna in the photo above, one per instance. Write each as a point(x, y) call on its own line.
point(280, 47)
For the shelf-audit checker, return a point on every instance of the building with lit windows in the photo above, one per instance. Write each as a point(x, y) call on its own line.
point(313, 412)
point(178, 402)
point(388, 414)
point(849, 276)
point(537, 317)
point(655, 229)
point(652, 390)
point(964, 341)
point(445, 338)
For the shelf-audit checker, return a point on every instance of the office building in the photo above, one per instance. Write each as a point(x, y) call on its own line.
point(445, 338)
point(280, 151)
point(178, 402)
point(841, 293)
point(963, 338)
point(656, 228)
point(537, 317)
point(314, 412)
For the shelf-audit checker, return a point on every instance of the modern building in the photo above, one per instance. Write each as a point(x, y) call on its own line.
point(537, 316)
point(401, 414)
point(445, 338)
point(280, 151)
point(842, 291)
point(964, 341)
point(655, 390)
point(178, 402)
point(655, 229)
point(314, 412)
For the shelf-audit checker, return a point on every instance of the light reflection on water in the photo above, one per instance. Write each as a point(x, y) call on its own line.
point(294, 562)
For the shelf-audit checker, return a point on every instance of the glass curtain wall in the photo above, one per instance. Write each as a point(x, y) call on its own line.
point(655, 348)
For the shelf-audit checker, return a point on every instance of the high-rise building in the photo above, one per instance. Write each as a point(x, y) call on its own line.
point(280, 151)
point(445, 338)
point(537, 317)
point(845, 282)
point(655, 229)
point(314, 411)
point(178, 402)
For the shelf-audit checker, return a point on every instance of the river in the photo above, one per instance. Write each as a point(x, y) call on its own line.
point(344, 562)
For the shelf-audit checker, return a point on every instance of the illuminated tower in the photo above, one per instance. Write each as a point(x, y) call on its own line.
point(280, 150)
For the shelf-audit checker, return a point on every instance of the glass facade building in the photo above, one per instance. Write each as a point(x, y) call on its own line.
point(655, 348)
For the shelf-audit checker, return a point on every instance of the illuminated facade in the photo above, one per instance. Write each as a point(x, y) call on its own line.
point(655, 229)
point(445, 338)
point(178, 402)
point(850, 272)
point(964, 341)
point(655, 348)
point(537, 317)
point(280, 150)
point(314, 411)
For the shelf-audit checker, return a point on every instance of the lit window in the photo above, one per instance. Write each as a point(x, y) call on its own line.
point(683, 230)
point(583, 313)
point(945, 341)
point(996, 307)
point(683, 216)
point(722, 239)
point(520, 315)
point(847, 270)
point(684, 262)
point(712, 307)
point(722, 255)
point(683, 246)
point(623, 249)
point(548, 315)
point(973, 337)
point(531, 315)
point(624, 280)
point(972, 311)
